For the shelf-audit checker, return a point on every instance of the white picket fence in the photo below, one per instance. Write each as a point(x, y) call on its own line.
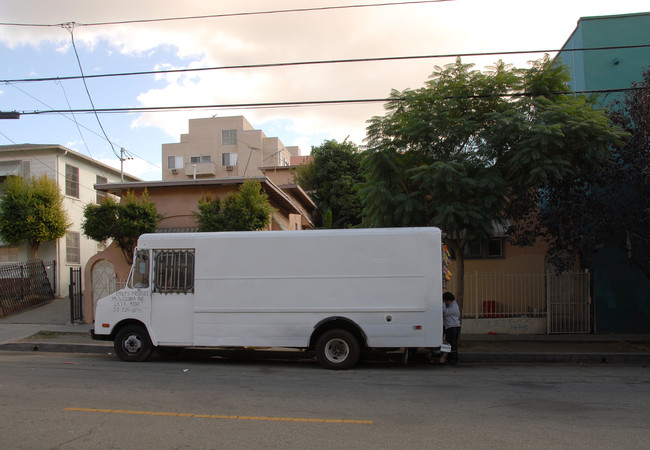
point(564, 299)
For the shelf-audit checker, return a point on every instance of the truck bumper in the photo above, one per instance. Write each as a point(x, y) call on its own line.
point(99, 337)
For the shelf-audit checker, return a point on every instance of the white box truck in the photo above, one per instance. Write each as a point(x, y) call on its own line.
point(338, 292)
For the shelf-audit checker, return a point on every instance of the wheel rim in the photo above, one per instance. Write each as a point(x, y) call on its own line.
point(132, 344)
point(337, 350)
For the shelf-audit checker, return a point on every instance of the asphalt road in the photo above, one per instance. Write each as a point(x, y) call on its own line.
point(83, 401)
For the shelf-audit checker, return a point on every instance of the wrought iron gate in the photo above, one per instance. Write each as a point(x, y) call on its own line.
point(76, 295)
point(564, 299)
point(23, 286)
point(569, 302)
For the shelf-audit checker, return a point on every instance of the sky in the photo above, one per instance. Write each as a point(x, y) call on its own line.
point(34, 44)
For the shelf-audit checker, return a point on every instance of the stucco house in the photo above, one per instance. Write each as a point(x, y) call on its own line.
point(76, 175)
point(505, 286)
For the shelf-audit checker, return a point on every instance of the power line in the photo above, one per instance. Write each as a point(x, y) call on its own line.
point(64, 114)
point(7, 138)
point(304, 103)
point(83, 78)
point(222, 106)
point(321, 62)
point(74, 119)
point(225, 15)
point(121, 156)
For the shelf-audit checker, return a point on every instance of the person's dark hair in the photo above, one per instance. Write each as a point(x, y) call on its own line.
point(448, 296)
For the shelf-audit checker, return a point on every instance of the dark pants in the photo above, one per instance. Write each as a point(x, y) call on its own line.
point(452, 334)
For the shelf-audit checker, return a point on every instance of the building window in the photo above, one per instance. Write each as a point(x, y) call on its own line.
point(229, 159)
point(101, 195)
point(200, 159)
point(8, 254)
point(71, 181)
point(495, 248)
point(485, 248)
point(174, 162)
point(228, 137)
point(73, 248)
point(174, 271)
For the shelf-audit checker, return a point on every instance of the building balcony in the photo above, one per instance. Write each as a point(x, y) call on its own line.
point(200, 169)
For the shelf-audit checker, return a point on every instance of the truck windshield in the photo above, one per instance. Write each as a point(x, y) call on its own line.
point(140, 271)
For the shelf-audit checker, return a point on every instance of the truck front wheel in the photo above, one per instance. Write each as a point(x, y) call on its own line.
point(132, 344)
point(337, 349)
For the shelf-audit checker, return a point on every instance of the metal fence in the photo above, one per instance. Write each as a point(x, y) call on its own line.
point(569, 303)
point(75, 293)
point(564, 300)
point(24, 286)
point(50, 271)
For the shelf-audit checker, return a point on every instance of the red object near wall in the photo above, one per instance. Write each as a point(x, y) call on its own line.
point(489, 308)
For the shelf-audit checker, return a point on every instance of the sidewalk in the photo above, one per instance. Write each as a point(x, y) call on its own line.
point(48, 328)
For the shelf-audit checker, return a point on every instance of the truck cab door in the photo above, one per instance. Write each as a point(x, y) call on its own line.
point(172, 297)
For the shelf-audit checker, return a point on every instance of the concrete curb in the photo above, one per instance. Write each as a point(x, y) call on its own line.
point(56, 347)
point(485, 357)
point(590, 358)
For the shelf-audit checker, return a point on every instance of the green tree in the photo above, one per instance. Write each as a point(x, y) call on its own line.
point(471, 149)
point(248, 209)
point(610, 206)
point(32, 211)
point(123, 222)
point(332, 180)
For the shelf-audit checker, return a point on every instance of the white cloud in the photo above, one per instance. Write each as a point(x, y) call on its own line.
point(137, 167)
point(439, 28)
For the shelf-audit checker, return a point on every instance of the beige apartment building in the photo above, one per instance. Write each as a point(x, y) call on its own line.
point(223, 147)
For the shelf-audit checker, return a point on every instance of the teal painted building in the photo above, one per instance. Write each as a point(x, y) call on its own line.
point(621, 291)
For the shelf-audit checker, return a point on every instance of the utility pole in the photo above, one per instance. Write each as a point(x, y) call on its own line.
point(122, 159)
point(122, 164)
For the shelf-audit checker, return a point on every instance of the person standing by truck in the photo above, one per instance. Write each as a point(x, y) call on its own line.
point(451, 323)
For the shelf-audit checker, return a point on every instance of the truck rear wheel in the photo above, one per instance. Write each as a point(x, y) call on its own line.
point(132, 344)
point(337, 349)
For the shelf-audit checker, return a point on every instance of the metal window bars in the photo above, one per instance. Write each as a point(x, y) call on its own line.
point(174, 271)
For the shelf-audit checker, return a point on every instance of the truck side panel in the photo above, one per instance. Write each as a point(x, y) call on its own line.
point(261, 289)
point(294, 329)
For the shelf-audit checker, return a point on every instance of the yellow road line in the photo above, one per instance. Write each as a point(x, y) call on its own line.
point(219, 416)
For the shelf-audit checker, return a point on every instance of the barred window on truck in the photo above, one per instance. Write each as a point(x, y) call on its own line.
point(174, 271)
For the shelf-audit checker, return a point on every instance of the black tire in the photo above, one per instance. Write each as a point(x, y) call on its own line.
point(338, 350)
point(132, 344)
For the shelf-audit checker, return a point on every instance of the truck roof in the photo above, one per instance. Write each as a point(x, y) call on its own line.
point(156, 238)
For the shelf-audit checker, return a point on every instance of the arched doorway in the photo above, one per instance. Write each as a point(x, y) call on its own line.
point(104, 280)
